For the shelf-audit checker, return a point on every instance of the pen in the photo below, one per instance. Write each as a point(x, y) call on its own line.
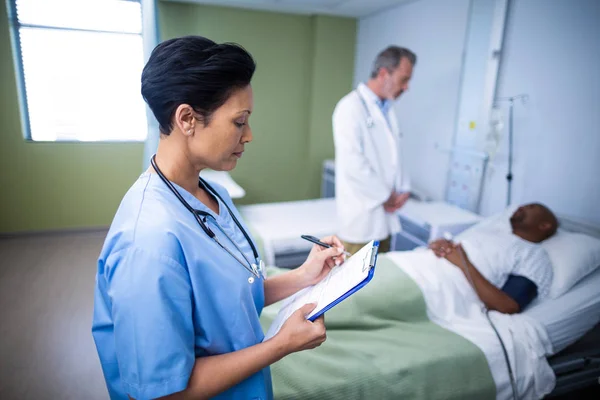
point(317, 241)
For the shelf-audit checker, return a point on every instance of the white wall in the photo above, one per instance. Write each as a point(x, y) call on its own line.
point(435, 30)
point(552, 53)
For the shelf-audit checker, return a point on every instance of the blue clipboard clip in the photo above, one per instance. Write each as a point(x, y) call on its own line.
point(370, 265)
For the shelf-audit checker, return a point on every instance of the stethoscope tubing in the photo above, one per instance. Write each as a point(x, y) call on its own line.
point(197, 215)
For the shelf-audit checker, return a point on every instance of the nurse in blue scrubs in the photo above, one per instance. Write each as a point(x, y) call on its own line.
point(180, 286)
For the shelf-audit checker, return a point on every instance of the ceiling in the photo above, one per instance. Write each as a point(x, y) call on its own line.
point(345, 8)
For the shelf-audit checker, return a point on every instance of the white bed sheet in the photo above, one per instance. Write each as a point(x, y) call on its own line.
point(568, 317)
point(279, 225)
point(452, 304)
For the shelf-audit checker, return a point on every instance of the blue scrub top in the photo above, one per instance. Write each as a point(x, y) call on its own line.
point(166, 293)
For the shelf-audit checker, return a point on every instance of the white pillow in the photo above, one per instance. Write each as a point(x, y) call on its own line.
point(496, 222)
point(573, 257)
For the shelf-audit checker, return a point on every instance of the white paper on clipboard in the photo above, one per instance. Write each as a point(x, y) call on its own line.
point(341, 280)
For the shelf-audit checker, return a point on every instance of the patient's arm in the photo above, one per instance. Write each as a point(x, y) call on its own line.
point(490, 295)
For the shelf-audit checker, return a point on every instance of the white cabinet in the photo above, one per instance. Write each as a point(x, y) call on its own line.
point(423, 222)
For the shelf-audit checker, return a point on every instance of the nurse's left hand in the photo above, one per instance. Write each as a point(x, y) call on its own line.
point(321, 260)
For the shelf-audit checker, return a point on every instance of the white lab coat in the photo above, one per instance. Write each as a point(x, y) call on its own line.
point(368, 167)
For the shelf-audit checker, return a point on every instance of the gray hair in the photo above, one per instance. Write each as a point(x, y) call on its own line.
point(390, 59)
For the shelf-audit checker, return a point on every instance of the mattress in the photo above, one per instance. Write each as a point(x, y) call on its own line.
point(279, 225)
point(568, 317)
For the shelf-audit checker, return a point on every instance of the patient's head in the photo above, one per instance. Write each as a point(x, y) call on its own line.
point(534, 222)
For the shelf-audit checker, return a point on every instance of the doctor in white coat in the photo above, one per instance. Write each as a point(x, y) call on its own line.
point(370, 181)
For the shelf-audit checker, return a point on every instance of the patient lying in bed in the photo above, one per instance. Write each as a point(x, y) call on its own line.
point(507, 267)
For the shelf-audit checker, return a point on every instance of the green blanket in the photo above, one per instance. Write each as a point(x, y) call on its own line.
point(381, 345)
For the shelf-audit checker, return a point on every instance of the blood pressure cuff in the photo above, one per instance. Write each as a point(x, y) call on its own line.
point(521, 290)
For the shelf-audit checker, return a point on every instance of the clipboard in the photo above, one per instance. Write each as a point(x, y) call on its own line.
point(371, 268)
point(341, 282)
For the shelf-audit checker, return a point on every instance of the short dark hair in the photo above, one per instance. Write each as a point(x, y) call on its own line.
point(390, 58)
point(196, 71)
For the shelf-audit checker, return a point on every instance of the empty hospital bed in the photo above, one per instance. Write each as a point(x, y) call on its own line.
point(277, 228)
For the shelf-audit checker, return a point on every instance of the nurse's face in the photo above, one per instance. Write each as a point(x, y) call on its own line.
point(220, 144)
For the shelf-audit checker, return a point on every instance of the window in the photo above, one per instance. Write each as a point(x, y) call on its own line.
point(79, 64)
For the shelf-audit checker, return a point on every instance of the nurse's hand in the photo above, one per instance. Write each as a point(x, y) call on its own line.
point(298, 333)
point(321, 260)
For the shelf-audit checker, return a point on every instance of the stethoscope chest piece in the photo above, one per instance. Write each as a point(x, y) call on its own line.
point(260, 269)
point(263, 270)
point(370, 122)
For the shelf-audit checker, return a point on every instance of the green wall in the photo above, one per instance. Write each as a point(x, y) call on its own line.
point(333, 71)
point(304, 65)
point(55, 185)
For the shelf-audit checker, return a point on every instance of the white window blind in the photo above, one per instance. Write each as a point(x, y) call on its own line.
point(80, 65)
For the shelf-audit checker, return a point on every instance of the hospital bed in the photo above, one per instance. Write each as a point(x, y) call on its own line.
point(570, 321)
point(578, 366)
point(277, 228)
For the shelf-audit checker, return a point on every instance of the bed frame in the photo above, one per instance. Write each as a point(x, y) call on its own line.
point(577, 366)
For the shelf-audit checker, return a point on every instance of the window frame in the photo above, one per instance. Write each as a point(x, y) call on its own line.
point(14, 26)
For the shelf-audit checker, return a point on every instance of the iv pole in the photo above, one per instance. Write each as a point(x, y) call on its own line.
point(509, 174)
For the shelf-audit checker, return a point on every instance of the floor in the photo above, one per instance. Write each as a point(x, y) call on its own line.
point(46, 300)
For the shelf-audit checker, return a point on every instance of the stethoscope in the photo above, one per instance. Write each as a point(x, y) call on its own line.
point(258, 268)
point(370, 121)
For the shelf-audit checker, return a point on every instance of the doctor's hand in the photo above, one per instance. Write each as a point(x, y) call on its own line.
point(395, 201)
point(321, 260)
point(298, 333)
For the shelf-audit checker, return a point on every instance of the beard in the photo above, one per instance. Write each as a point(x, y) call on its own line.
point(388, 90)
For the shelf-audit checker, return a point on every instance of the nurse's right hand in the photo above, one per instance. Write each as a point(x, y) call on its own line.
point(298, 333)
